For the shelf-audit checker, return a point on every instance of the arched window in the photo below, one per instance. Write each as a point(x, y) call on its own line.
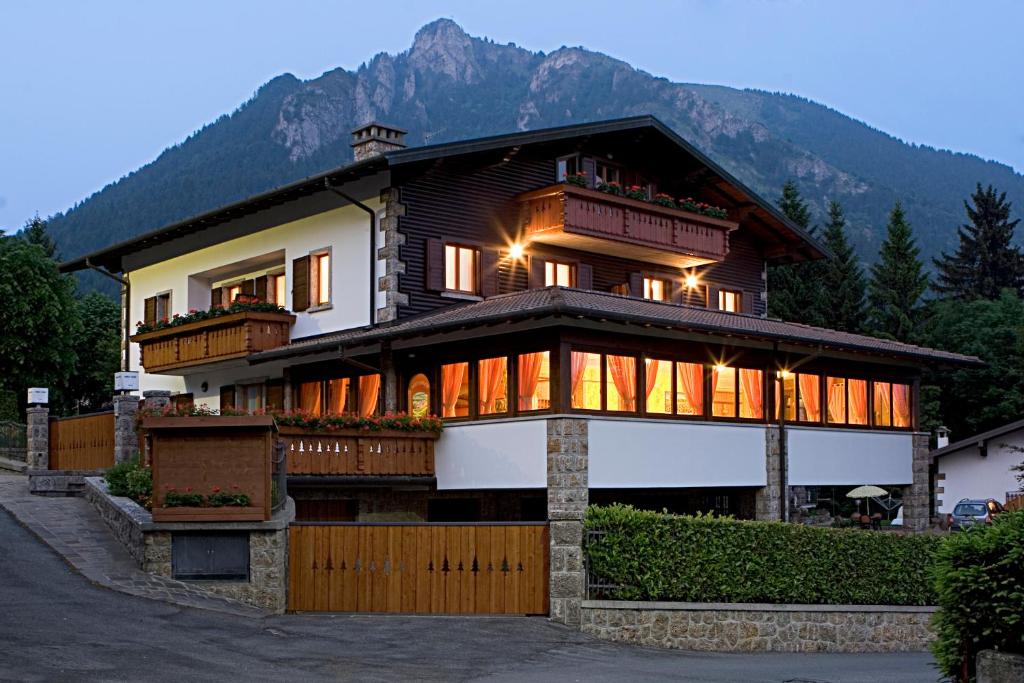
point(419, 396)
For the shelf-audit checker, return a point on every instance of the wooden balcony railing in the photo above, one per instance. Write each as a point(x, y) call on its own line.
point(580, 218)
point(229, 336)
point(357, 452)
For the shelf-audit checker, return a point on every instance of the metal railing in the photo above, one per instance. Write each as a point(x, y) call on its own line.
point(598, 588)
point(13, 440)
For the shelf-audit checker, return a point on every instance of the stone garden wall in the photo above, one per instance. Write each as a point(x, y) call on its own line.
point(760, 628)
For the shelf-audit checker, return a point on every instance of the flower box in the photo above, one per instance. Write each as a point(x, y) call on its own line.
point(359, 452)
point(209, 514)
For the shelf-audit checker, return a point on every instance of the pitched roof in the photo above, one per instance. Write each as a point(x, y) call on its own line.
point(575, 304)
point(979, 439)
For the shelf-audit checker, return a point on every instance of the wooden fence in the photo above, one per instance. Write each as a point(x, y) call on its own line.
point(84, 442)
point(419, 568)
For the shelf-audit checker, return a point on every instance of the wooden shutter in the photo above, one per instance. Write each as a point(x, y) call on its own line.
point(746, 302)
point(216, 297)
point(488, 272)
point(677, 295)
point(535, 277)
point(275, 394)
point(259, 288)
point(636, 285)
point(149, 316)
point(300, 283)
point(585, 276)
point(248, 288)
point(590, 168)
point(713, 297)
point(227, 397)
point(435, 265)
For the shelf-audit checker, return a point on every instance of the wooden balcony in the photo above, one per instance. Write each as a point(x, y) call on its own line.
point(356, 452)
point(588, 220)
point(173, 349)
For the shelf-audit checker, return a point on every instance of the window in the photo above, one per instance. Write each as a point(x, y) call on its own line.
point(234, 291)
point(492, 385)
point(320, 272)
point(419, 396)
point(566, 166)
point(607, 174)
point(276, 292)
point(460, 268)
point(656, 289)
point(810, 398)
point(561, 274)
point(900, 405)
point(337, 396)
point(369, 395)
point(534, 381)
point(586, 380)
point(729, 300)
point(883, 404)
point(891, 404)
point(723, 391)
point(751, 393)
point(310, 398)
point(157, 308)
point(658, 389)
point(787, 400)
point(455, 390)
point(620, 383)
point(689, 389)
point(858, 401)
point(737, 392)
point(252, 397)
point(835, 394)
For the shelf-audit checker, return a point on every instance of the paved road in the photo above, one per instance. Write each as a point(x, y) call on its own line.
point(55, 625)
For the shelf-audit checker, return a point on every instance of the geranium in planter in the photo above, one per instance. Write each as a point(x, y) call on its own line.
point(234, 498)
point(185, 499)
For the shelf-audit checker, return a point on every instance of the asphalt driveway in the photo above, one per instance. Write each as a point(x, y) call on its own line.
point(55, 625)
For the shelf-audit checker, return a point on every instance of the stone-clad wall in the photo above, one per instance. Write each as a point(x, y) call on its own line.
point(568, 493)
point(760, 628)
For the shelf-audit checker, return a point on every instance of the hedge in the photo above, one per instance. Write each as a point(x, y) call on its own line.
point(979, 577)
point(659, 556)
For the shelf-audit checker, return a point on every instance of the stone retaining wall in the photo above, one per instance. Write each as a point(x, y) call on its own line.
point(149, 544)
point(735, 627)
point(59, 482)
point(999, 667)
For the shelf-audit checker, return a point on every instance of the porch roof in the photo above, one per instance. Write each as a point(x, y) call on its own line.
point(572, 305)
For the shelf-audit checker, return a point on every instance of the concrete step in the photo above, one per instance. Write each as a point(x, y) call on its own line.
point(8, 465)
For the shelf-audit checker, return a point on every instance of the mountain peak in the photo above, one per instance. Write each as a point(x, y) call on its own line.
point(443, 47)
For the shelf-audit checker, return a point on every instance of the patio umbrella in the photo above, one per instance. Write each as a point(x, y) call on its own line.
point(866, 492)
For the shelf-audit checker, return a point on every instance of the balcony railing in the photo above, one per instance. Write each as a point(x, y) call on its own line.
point(354, 452)
point(580, 218)
point(216, 339)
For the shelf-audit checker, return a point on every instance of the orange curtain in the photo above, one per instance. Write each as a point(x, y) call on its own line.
point(858, 401)
point(451, 384)
point(623, 372)
point(579, 362)
point(691, 378)
point(529, 374)
point(836, 401)
point(901, 405)
point(369, 392)
point(810, 396)
point(652, 378)
point(309, 397)
point(337, 396)
point(492, 371)
point(753, 383)
point(882, 403)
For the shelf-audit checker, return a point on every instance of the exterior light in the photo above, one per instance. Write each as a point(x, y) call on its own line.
point(784, 374)
point(721, 367)
point(516, 251)
point(691, 281)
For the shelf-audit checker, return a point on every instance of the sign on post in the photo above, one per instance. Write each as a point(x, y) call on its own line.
point(126, 381)
point(38, 396)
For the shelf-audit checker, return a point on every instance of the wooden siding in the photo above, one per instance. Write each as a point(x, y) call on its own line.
point(355, 452)
point(85, 442)
point(419, 568)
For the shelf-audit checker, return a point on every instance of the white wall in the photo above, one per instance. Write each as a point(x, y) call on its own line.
point(968, 475)
point(822, 456)
point(655, 453)
point(344, 230)
point(493, 455)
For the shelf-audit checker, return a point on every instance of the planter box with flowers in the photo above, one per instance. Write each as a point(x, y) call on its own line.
point(352, 445)
point(210, 467)
point(221, 333)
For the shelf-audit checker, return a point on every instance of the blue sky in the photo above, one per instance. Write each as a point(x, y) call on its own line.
point(91, 91)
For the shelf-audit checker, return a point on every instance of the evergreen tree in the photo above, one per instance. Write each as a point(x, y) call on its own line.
point(844, 284)
point(794, 290)
point(897, 283)
point(986, 261)
point(34, 232)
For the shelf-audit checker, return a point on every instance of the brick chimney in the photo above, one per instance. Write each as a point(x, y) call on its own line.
point(374, 138)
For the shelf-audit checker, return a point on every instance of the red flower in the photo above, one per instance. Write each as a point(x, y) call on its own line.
point(216, 489)
point(188, 489)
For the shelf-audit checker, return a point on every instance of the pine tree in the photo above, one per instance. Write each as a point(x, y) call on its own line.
point(897, 283)
point(844, 283)
point(986, 261)
point(34, 232)
point(794, 290)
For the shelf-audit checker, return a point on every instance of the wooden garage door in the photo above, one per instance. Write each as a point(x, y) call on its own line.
point(419, 568)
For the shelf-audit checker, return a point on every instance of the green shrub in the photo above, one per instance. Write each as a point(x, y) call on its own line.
point(174, 499)
point(658, 556)
point(979, 579)
point(131, 480)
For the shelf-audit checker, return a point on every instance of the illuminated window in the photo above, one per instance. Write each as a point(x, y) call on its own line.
point(810, 398)
point(586, 380)
point(492, 385)
point(310, 398)
point(337, 396)
point(787, 381)
point(751, 393)
point(737, 392)
point(419, 396)
point(620, 383)
point(858, 401)
point(561, 274)
point(901, 405)
point(656, 289)
point(321, 272)
point(460, 268)
point(455, 390)
point(723, 391)
point(369, 395)
point(835, 395)
point(276, 292)
point(234, 291)
point(658, 387)
point(882, 404)
point(729, 300)
point(535, 381)
point(689, 389)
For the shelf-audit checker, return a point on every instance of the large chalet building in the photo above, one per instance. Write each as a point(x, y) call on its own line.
point(604, 279)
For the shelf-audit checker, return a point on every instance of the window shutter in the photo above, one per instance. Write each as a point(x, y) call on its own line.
point(435, 265)
point(636, 285)
point(248, 288)
point(260, 288)
point(713, 297)
point(300, 283)
point(488, 272)
point(585, 276)
point(590, 168)
point(275, 394)
point(149, 316)
point(227, 397)
point(747, 302)
point(677, 295)
point(536, 278)
point(216, 296)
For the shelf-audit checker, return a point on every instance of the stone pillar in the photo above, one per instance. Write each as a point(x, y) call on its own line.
point(157, 399)
point(390, 254)
point(568, 483)
point(37, 455)
point(126, 428)
point(915, 497)
point(768, 500)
